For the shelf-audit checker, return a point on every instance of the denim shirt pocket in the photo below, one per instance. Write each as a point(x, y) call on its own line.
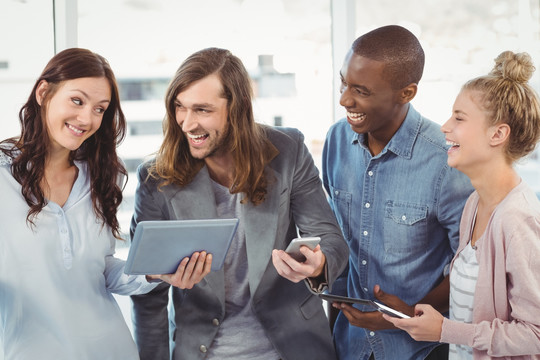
point(341, 203)
point(405, 226)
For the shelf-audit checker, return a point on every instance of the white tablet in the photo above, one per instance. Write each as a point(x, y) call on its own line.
point(159, 246)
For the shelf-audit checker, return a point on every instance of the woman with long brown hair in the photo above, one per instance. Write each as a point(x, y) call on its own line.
point(61, 182)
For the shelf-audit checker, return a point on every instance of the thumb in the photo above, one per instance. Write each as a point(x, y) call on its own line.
point(379, 294)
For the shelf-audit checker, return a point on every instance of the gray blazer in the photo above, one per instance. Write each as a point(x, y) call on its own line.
point(294, 319)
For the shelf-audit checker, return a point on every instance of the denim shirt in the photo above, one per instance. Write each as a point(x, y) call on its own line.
point(399, 212)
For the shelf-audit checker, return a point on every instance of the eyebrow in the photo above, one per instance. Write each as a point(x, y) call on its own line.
point(359, 87)
point(199, 105)
point(108, 101)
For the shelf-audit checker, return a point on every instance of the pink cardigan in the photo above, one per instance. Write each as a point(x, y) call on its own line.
point(506, 312)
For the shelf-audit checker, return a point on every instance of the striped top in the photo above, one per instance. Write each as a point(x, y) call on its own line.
point(462, 285)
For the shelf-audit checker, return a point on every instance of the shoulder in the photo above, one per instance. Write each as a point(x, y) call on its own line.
point(284, 139)
point(340, 128)
point(430, 133)
point(520, 204)
point(5, 160)
point(517, 217)
point(143, 170)
point(280, 134)
point(8, 152)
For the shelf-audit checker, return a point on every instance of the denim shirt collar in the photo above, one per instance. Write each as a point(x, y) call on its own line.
point(403, 140)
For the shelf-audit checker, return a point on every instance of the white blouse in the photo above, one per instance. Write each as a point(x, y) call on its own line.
point(57, 279)
point(462, 287)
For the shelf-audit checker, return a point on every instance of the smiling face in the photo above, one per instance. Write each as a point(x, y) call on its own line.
point(75, 111)
point(468, 133)
point(201, 112)
point(372, 106)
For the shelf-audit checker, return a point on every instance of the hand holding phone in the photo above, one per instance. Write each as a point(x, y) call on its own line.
point(294, 247)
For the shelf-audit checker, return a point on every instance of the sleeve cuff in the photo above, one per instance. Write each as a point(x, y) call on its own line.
point(319, 283)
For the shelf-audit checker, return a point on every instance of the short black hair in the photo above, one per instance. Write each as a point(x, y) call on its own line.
point(398, 48)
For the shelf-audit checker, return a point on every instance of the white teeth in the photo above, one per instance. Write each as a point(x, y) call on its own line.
point(451, 143)
point(196, 137)
point(356, 116)
point(78, 131)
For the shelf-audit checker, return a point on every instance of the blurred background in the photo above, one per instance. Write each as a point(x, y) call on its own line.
point(293, 50)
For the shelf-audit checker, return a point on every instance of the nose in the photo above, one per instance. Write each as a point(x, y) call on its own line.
point(445, 127)
point(187, 120)
point(345, 99)
point(85, 115)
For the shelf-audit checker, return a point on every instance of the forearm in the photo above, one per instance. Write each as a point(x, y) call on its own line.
point(439, 296)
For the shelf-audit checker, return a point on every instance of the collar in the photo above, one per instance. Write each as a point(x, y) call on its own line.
point(402, 142)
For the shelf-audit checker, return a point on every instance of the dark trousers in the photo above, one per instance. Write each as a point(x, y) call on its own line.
point(438, 353)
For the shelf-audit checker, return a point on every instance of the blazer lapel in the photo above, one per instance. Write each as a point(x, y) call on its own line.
point(260, 226)
point(197, 201)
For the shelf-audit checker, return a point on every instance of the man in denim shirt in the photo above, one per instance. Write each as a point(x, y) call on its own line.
point(398, 202)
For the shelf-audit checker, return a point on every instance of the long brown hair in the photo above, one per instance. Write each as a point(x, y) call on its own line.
point(29, 150)
point(246, 140)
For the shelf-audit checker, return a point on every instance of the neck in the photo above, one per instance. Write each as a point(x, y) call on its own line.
point(377, 140)
point(494, 185)
point(221, 169)
point(57, 160)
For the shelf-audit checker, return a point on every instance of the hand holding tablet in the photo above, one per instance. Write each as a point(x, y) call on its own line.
point(375, 305)
point(158, 247)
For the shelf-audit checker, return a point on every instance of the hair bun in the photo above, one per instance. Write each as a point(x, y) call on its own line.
point(514, 66)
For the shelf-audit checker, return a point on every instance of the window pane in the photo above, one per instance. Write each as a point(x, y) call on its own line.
point(285, 45)
point(26, 44)
point(461, 39)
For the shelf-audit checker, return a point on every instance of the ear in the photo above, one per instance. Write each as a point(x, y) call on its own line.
point(499, 134)
point(407, 93)
point(41, 90)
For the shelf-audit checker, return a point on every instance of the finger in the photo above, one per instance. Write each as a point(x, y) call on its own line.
point(395, 321)
point(379, 294)
point(200, 264)
point(190, 266)
point(279, 258)
point(179, 270)
point(204, 267)
point(420, 309)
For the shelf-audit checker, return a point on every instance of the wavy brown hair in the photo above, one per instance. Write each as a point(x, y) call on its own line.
point(29, 150)
point(506, 97)
point(246, 140)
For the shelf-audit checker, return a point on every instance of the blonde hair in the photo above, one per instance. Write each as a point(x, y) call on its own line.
point(507, 98)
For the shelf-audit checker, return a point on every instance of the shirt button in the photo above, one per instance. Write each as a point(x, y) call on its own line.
point(371, 333)
point(336, 192)
point(364, 262)
point(370, 173)
point(403, 218)
point(63, 231)
point(203, 349)
point(365, 233)
point(215, 322)
point(368, 205)
point(365, 289)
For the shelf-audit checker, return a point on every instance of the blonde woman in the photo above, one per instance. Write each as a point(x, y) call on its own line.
point(495, 275)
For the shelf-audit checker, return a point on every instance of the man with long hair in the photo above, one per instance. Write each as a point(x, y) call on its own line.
point(217, 162)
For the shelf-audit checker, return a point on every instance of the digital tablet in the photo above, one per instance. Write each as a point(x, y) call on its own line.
point(375, 305)
point(159, 246)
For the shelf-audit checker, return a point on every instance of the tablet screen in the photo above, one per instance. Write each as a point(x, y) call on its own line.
point(159, 246)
